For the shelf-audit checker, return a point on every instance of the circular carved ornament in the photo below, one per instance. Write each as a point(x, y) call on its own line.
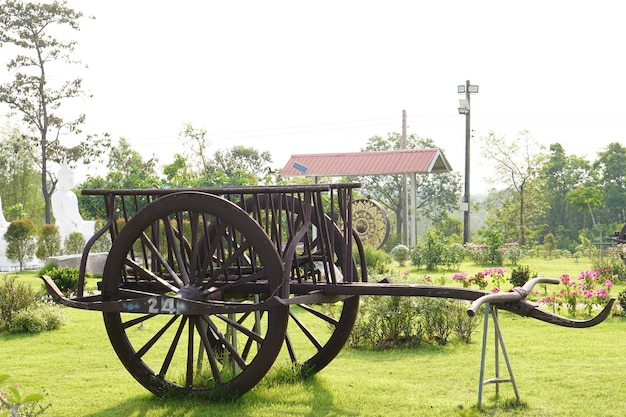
point(370, 222)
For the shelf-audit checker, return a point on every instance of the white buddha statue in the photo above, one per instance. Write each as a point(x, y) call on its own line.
point(65, 207)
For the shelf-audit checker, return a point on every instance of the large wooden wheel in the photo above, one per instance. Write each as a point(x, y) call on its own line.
point(316, 332)
point(200, 247)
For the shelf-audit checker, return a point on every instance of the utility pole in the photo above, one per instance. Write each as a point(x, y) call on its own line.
point(464, 108)
point(405, 194)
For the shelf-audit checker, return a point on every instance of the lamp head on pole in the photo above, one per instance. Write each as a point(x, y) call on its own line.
point(464, 106)
point(470, 89)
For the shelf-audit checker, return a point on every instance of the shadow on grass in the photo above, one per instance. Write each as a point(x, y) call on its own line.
point(497, 406)
point(273, 395)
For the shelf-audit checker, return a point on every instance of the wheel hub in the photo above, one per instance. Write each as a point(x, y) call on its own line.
point(191, 292)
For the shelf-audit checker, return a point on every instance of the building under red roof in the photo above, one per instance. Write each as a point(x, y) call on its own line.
point(404, 161)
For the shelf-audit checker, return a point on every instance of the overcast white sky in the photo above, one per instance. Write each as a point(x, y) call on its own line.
point(300, 77)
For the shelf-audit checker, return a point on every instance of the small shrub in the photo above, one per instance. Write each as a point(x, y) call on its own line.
point(47, 268)
point(494, 240)
point(65, 278)
point(463, 324)
point(48, 242)
point(400, 254)
point(454, 255)
point(613, 262)
point(417, 257)
point(513, 252)
point(20, 238)
point(15, 297)
point(378, 261)
point(394, 321)
point(74, 243)
point(478, 253)
point(437, 316)
point(37, 319)
point(386, 322)
point(521, 275)
point(549, 245)
point(621, 300)
point(433, 251)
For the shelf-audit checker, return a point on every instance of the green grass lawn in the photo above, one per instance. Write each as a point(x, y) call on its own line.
point(559, 372)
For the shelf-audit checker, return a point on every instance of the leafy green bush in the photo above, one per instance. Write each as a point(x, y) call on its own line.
point(437, 320)
point(20, 238)
point(37, 319)
point(434, 250)
point(454, 255)
point(49, 241)
point(417, 256)
point(463, 324)
point(386, 322)
point(400, 254)
point(15, 297)
point(613, 262)
point(396, 321)
point(74, 243)
point(47, 268)
point(65, 278)
point(377, 260)
point(521, 275)
point(621, 299)
point(494, 240)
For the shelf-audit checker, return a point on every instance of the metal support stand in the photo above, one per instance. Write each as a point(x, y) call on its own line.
point(499, 343)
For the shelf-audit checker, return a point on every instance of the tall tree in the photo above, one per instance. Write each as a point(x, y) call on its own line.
point(36, 93)
point(435, 194)
point(586, 199)
point(515, 165)
point(239, 165)
point(610, 170)
point(127, 169)
point(18, 174)
point(560, 174)
point(195, 138)
point(250, 165)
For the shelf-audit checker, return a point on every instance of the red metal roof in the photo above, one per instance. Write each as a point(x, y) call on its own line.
point(404, 161)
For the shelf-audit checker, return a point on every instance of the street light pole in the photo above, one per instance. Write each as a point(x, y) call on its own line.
point(464, 108)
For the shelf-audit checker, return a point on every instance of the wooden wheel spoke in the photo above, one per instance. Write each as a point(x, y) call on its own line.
point(172, 349)
point(190, 358)
point(229, 346)
point(319, 314)
point(215, 369)
point(238, 326)
point(195, 266)
point(306, 331)
point(177, 249)
point(145, 348)
point(138, 320)
point(157, 254)
point(149, 274)
point(234, 257)
point(290, 349)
